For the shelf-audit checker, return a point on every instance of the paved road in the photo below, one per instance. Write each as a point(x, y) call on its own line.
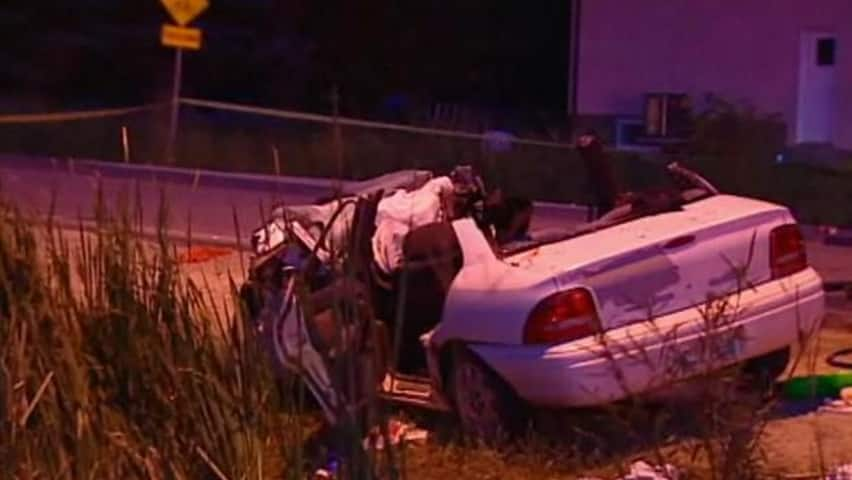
point(207, 204)
point(207, 200)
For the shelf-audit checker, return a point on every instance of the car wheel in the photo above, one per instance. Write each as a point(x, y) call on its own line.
point(487, 408)
point(762, 372)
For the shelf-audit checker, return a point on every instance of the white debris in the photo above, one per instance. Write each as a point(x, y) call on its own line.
point(397, 214)
point(836, 406)
point(398, 432)
point(843, 405)
point(641, 470)
point(843, 472)
point(403, 211)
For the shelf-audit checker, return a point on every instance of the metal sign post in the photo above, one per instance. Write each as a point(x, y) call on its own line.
point(179, 37)
point(175, 107)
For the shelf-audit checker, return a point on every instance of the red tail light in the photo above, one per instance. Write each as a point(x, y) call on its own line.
point(787, 251)
point(562, 317)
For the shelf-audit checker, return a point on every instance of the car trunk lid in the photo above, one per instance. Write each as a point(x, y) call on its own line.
point(667, 262)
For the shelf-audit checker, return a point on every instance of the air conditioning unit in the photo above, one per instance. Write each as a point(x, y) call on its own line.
point(668, 116)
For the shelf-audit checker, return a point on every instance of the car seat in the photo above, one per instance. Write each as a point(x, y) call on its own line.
point(432, 257)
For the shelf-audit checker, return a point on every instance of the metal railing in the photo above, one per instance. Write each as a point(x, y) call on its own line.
point(351, 122)
point(231, 137)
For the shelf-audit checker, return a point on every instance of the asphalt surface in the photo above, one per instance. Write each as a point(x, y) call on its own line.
point(205, 201)
point(207, 205)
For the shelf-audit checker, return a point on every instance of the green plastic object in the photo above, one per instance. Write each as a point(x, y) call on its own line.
point(817, 386)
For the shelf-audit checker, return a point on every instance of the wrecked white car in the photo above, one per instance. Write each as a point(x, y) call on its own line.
point(667, 286)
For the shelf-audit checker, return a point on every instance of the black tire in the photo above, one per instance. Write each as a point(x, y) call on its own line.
point(762, 372)
point(488, 409)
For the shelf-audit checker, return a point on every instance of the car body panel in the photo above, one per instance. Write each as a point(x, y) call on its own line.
point(652, 279)
point(488, 296)
point(725, 257)
point(649, 355)
point(632, 275)
point(636, 271)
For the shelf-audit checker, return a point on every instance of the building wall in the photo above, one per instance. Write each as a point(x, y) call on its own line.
point(737, 49)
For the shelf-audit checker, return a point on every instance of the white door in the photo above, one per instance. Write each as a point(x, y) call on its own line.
point(817, 87)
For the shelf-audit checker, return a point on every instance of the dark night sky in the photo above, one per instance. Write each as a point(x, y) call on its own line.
point(288, 53)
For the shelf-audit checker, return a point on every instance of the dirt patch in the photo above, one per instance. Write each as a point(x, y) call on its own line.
point(808, 443)
point(211, 269)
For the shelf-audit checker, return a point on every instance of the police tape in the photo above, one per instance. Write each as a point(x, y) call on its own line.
point(77, 115)
point(499, 138)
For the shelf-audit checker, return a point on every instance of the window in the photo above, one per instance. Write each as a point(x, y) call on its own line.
point(825, 52)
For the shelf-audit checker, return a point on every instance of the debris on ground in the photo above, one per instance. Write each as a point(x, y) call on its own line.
point(398, 432)
point(329, 472)
point(843, 405)
point(642, 470)
point(329, 467)
point(200, 254)
point(843, 472)
point(836, 406)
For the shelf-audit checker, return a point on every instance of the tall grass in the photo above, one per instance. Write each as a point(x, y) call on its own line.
point(114, 365)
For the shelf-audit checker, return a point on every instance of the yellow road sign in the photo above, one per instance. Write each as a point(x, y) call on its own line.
point(180, 37)
point(183, 11)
